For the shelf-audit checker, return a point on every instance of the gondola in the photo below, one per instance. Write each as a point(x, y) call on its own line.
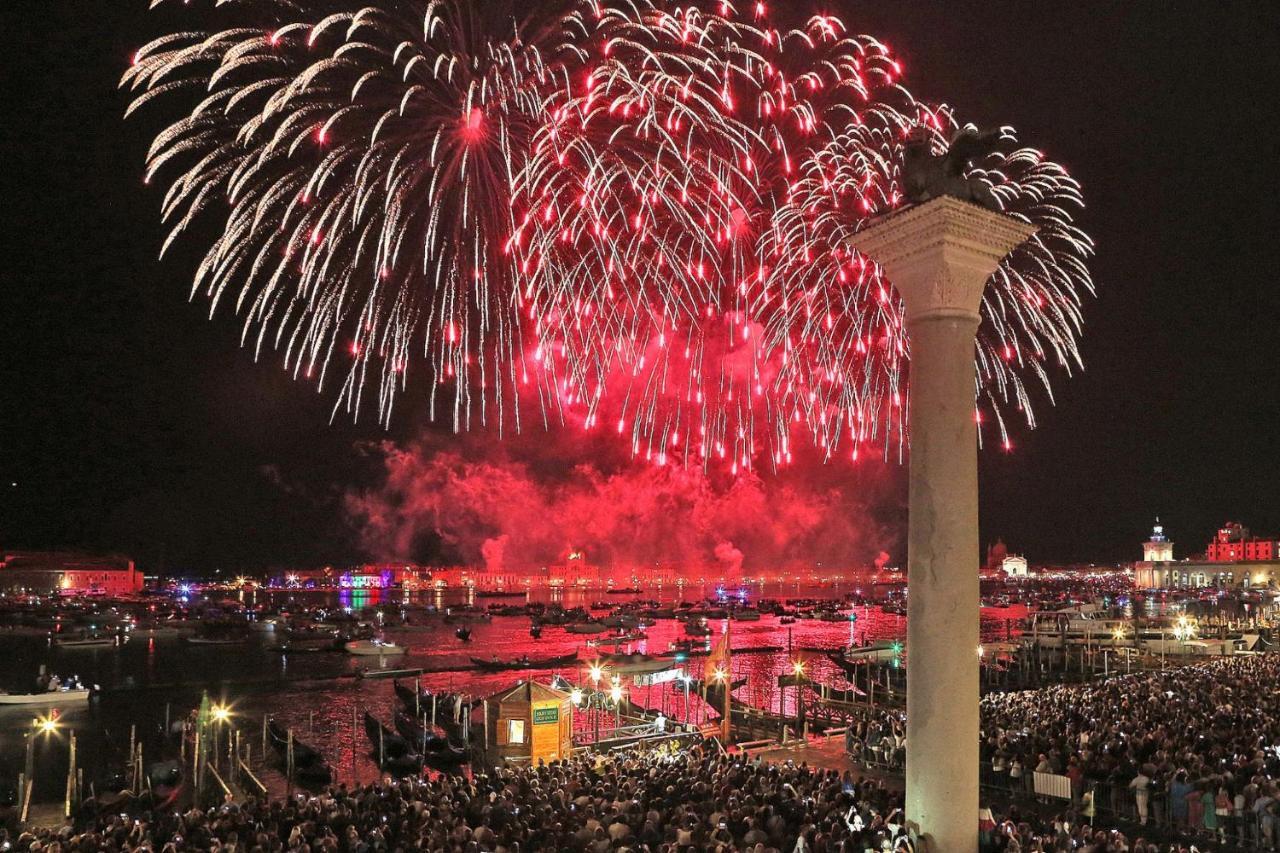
point(383, 739)
point(437, 752)
point(419, 735)
point(524, 663)
point(309, 766)
point(408, 696)
point(395, 754)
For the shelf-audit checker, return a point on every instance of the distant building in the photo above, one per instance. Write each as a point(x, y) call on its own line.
point(382, 576)
point(68, 573)
point(574, 571)
point(479, 578)
point(1233, 543)
point(1015, 566)
point(1159, 570)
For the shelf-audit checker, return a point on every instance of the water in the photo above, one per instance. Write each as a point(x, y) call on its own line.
point(317, 696)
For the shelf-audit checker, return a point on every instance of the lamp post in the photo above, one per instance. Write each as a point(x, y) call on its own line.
point(596, 672)
point(797, 670)
point(615, 693)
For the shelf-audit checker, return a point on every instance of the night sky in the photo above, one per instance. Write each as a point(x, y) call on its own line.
point(132, 422)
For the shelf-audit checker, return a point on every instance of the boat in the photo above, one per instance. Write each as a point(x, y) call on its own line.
point(374, 647)
point(214, 641)
point(420, 735)
point(437, 751)
point(586, 628)
point(385, 741)
point(852, 659)
point(623, 590)
point(47, 697)
point(309, 766)
point(88, 642)
point(390, 673)
point(697, 629)
point(501, 593)
point(621, 639)
point(414, 700)
point(787, 620)
point(463, 634)
point(745, 614)
point(495, 665)
point(535, 631)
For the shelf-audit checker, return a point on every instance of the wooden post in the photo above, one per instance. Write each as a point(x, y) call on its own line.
point(485, 705)
point(417, 697)
point(288, 762)
point(166, 718)
point(196, 765)
point(69, 800)
point(382, 756)
point(264, 738)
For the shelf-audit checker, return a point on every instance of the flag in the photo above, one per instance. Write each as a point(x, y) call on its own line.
point(718, 660)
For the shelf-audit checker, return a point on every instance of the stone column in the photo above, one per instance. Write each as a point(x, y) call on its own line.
point(939, 255)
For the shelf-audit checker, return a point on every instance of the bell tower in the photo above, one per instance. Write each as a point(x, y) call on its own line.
point(1157, 549)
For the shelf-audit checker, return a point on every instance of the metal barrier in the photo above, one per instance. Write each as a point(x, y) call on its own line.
point(1123, 804)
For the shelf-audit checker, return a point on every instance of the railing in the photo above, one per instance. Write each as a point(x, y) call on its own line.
point(1150, 810)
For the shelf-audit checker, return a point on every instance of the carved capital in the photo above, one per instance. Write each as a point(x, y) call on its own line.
point(939, 254)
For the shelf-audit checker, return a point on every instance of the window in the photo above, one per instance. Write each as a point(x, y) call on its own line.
point(515, 731)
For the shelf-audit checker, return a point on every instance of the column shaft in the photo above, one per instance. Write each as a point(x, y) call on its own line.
point(943, 602)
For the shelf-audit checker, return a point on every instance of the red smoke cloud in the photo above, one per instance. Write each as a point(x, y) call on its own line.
point(525, 502)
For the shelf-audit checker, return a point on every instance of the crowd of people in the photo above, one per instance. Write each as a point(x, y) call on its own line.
point(1195, 746)
point(678, 801)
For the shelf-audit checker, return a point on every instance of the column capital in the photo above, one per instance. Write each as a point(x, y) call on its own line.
point(939, 254)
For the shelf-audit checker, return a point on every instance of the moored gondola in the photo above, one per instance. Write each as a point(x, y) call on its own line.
point(309, 766)
point(394, 754)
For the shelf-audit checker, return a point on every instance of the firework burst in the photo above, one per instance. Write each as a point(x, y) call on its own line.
point(633, 212)
point(359, 159)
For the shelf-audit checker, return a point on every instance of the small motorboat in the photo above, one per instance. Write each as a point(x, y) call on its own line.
point(374, 647)
point(463, 634)
point(86, 641)
point(535, 631)
point(47, 697)
point(586, 628)
point(213, 641)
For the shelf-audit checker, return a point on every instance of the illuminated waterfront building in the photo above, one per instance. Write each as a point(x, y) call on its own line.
point(67, 573)
point(1233, 543)
point(1159, 570)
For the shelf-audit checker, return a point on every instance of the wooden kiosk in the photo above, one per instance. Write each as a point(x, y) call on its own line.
point(531, 722)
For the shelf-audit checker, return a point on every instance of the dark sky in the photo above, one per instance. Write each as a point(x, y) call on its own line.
point(132, 422)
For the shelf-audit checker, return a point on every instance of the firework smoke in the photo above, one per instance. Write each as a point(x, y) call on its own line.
point(525, 508)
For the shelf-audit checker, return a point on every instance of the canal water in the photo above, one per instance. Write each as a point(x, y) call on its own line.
point(318, 695)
